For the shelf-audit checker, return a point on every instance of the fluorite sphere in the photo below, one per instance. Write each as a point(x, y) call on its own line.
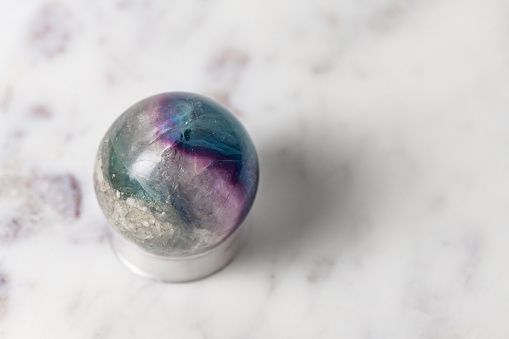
point(176, 174)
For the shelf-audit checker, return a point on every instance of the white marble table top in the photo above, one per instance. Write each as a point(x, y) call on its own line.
point(383, 134)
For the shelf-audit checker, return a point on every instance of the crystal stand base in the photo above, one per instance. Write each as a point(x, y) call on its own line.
point(179, 269)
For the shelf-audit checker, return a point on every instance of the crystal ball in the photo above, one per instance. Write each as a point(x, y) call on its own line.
point(176, 174)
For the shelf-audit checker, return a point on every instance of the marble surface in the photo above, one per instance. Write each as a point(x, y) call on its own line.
point(383, 134)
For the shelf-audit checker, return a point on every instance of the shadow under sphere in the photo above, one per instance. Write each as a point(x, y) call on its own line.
point(298, 189)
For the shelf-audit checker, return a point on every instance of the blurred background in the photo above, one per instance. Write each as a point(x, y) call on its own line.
point(382, 128)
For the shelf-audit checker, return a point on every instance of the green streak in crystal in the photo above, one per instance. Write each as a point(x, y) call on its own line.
point(124, 183)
